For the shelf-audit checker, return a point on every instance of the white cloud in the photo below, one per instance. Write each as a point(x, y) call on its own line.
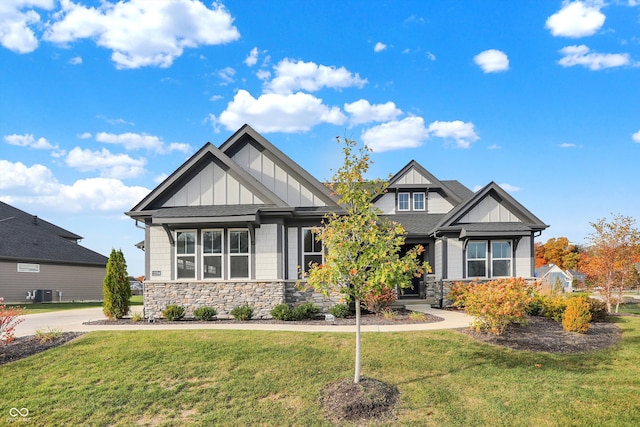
point(463, 133)
point(308, 76)
point(431, 56)
point(144, 33)
point(135, 141)
point(158, 179)
point(263, 75)
point(492, 61)
point(110, 165)
point(493, 147)
point(274, 112)
point(85, 135)
point(216, 98)
point(76, 60)
point(227, 74)
point(582, 55)
point(510, 188)
point(252, 59)
point(28, 140)
point(363, 112)
point(567, 145)
point(577, 19)
point(395, 135)
point(18, 178)
point(636, 137)
point(16, 20)
point(379, 47)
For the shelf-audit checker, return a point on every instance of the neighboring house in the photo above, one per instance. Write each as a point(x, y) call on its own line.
point(42, 262)
point(233, 224)
point(549, 274)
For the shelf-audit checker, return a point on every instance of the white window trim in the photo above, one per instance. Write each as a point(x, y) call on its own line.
point(195, 254)
point(221, 254)
point(248, 254)
point(424, 202)
point(304, 253)
point(510, 259)
point(486, 259)
point(408, 204)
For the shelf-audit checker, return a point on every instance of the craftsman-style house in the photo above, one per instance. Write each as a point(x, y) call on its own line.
point(233, 224)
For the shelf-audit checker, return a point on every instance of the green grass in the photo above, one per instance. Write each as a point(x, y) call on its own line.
point(59, 306)
point(239, 378)
point(630, 308)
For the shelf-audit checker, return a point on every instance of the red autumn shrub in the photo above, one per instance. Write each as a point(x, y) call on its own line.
point(9, 319)
point(377, 302)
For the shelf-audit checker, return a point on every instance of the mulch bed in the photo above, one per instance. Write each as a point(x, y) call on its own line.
point(27, 346)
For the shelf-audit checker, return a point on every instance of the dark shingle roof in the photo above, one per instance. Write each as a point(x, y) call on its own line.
point(415, 223)
point(23, 237)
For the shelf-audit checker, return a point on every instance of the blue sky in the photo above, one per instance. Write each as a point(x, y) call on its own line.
point(99, 101)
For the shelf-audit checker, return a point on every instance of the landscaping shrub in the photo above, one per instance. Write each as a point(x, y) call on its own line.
point(340, 311)
point(242, 312)
point(458, 294)
point(204, 313)
point(173, 312)
point(137, 317)
point(9, 319)
point(576, 316)
point(48, 335)
point(418, 316)
point(282, 312)
point(554, 307)
point(377, 302)
point(598, 310)
point(308, 310)
point(389, 314)
point(116, 288)
point(497, 303)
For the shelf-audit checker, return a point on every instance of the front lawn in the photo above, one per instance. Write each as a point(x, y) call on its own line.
point(630, 308)
point(37, 307)
point(239, 378)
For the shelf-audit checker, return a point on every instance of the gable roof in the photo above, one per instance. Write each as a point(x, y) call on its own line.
point(453, 190)
point(27, 238)
point(527, 221)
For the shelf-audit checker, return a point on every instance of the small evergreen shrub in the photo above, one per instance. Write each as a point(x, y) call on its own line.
point(598, 310)
point(536, 306)
point(242, 312)
point(173, 312)
point(576, 316)
point(554, 307)
point(376, 302)
point(205, 313)
point(308, 310)
point(282, 312)
point(340, 311)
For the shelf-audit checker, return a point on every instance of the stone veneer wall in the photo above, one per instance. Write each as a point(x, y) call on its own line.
point(263, 296)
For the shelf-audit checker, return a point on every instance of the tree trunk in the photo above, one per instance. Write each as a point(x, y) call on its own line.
point(356, 377)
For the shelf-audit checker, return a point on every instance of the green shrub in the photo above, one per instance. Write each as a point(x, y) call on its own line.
point(173, 312)
point(340, 311)
point(116, 289)
point(242, 312)
point(308, 310)
point(598, 310)
point(282, 312)
point(554, 307)
point(204, 313)
point(498, 303)
point(576, 316)
point(536, 306)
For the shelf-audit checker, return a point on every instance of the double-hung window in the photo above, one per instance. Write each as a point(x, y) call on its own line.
point(477, 259)
point(418, 201)
point(403, 201)
point(186, 254)
point(212, 244)
point(239, 244)
point(501, 258)
point(311, 249)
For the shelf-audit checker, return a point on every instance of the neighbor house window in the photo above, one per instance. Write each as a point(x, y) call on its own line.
point(418, 201)
point(477, 259)
point(311, 249)
point(403, 201)
point(186, 254)
point(212, 244)
point(239, 244)
point(500, 258)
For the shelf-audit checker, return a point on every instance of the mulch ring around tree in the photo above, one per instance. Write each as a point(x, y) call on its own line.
point(546, 335)
point(22, 347)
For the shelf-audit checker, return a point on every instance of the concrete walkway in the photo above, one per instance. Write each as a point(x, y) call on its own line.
point(72, 321)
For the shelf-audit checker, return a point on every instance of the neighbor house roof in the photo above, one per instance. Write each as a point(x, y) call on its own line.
point(27, 238)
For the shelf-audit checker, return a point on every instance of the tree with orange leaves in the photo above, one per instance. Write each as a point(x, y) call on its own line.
point(609, 261)
point(558, 251)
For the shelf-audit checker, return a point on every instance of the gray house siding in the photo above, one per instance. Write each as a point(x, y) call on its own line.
point(77, 283)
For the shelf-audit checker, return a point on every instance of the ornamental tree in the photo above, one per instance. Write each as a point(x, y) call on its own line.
point(609, 261)
point(116, 290)
point(361, 248)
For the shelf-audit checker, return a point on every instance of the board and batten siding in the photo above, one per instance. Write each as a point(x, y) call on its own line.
point(275, 177)
point(489, 210)
point(266, 252)
point(523, 258)
point(436, 204)
point(160, 253)
point(387, 204)
point(77, 283)
point(438, 262)
point(213, 186)
point(293, 259)
point(413, 177)
point(455, 251)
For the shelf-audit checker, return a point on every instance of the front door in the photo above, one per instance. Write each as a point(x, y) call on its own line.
point(414, 290)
